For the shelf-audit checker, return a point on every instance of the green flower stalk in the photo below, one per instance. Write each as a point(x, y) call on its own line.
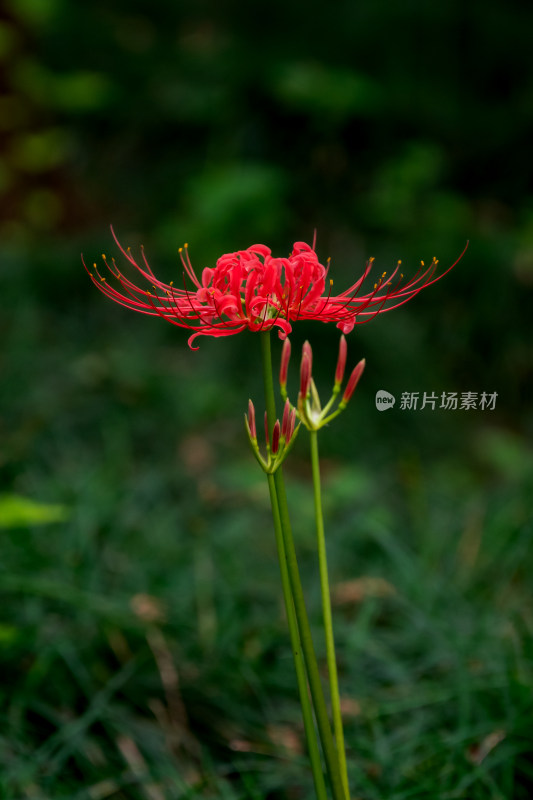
point(314, 417)
point(287, 554)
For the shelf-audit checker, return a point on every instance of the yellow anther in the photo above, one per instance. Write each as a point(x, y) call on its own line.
point(375, 286)
point(331, 281)
point(102, 279)
point(399, 262)
point(171, 283)
point(401, 274)
point(185, 245)
point(383, 274)
point(422, 263)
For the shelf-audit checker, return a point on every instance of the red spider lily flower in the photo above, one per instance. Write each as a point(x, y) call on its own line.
point(251, 289)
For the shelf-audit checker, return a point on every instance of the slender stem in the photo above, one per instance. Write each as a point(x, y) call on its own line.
point(312, 744)
point(319, 703)
point(317, 694)
point(268, 381)
point(307, 713)
point(326, 613)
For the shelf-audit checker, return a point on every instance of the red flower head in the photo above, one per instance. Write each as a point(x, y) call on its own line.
point(252, 289)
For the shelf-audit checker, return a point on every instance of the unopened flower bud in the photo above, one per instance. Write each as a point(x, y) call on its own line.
point(341, 362)
point(285, 358)
point(307, 351)
point(285, 419)
point(275, 437)
point(251, 420)
point(353, 381)
point(305, 375)
point(292, 422)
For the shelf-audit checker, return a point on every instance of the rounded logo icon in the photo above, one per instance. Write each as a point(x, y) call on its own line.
point(384, 400)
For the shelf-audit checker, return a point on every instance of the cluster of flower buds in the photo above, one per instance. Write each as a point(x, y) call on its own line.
point(283, 437)
point(310, 411)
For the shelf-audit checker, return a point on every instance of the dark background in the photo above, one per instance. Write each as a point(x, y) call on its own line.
point(135, 529)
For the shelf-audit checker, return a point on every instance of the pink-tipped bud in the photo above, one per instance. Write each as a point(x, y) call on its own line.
point(285, 419)
point(267, 437)
point(275, 437)
point(292, 423)
point(251, 420)
point(305, 375)
point(285, 358)
point(353, 381)
point(341, 361)
point(307, 351)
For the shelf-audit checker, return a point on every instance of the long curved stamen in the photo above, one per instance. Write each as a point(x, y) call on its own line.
point(326, 300)
point(188, 266)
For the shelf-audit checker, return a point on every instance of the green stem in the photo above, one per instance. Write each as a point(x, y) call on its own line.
point(326, 613)
point(307, 713)
point(268, 381)
point(319, 703)
point(312, 744)
point(304, 628)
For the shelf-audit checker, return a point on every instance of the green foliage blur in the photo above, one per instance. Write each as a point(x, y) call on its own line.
point(142, 646)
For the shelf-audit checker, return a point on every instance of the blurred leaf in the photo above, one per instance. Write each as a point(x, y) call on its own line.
point(402, 184)
point(505, 452)
point(42, 208)
point(16, 511)
point(523, 265)
point(231, 202)
point(229, 192)
point(321, 89)
point(39, 152)
point(8, 633)
point(36, 12)
point(80, 91)
point(13, 112)
point(6, 177)
point(8, 39)
point(74, 91)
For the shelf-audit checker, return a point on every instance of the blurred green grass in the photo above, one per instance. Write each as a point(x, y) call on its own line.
point(144, 650)
point(167, 557)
